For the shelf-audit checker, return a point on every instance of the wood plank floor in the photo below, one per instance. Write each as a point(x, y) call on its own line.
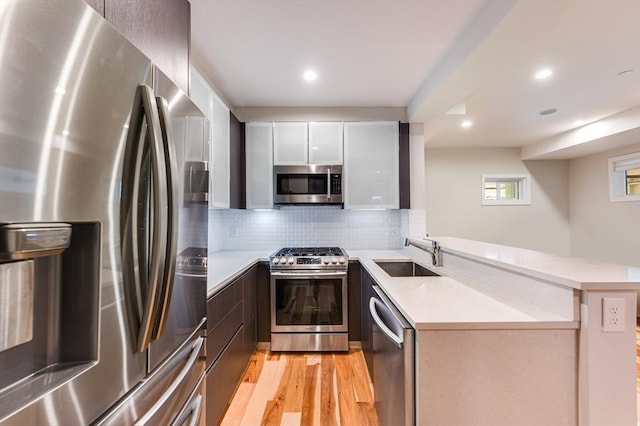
point(315, 389)
point(295, 388)
point(638, 369)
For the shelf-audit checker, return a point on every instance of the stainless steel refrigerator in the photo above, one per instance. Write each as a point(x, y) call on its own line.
point(97, 325)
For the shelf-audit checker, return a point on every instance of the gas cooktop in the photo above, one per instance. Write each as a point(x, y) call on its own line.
point(309, 258)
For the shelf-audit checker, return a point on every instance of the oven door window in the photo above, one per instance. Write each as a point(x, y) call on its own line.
point(308, 302)
point(301, 184)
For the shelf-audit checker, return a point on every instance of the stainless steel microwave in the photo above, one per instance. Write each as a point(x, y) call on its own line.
point(307, 184)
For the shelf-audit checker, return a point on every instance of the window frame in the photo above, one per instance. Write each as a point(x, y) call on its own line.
point(618, 178)
point(524, 189)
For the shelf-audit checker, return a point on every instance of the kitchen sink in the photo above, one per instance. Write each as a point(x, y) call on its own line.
point(405, 269)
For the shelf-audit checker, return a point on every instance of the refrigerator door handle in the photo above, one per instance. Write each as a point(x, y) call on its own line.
point(172, 219)
point(159, 216)
point(139, 233)
point(193, 412)
point(166, 396)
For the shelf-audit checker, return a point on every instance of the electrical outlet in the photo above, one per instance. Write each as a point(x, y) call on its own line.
point(612, 314)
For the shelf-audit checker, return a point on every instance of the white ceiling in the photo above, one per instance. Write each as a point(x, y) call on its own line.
point(431, 56)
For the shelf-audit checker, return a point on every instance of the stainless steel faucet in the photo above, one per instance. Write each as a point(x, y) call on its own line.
point(434, 249)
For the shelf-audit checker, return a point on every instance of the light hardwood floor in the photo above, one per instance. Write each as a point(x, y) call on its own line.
point(638, 369)
point(293, 388)
point(315, 389)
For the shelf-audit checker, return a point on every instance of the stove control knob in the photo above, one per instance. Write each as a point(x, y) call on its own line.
point(334, 260)
point(341, 260)
point(275, 260)
point(325, 260)
point(291, 261)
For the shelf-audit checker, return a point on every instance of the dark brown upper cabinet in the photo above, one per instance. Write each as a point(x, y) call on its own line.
point(161, 29)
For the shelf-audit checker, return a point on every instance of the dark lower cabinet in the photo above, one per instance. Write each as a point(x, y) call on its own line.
point(231, 339)
point(263, 293)
point(249, 313)
point(355, 301)
point(222, 378)
point(365, 330)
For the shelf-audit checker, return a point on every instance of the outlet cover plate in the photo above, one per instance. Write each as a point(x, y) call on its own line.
point(613, 314)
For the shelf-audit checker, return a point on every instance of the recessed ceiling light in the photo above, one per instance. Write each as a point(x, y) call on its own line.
point(579, 123)
point(544, 73)
point(466, 124)
point(310, 75)
point(548, 111)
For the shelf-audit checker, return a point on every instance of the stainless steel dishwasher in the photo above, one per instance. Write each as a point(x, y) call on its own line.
point(393, 362)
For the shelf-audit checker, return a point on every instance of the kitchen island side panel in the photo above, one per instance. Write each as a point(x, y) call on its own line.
point(496, 377)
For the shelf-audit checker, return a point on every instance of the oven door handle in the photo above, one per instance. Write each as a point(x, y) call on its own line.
point(309, 274)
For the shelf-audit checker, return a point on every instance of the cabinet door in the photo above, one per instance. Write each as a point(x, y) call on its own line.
point(219, 172)
point(161, 29)
point(290, 145)
point(237, 163)
point(366, 323)
point(259, 152)
point(249, 309)
point(371, 165)
point(325, 143)
point(355, 302)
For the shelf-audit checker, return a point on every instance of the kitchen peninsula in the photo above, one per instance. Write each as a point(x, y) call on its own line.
point(504, 333)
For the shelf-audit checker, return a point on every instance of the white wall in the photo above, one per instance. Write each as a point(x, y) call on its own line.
point(453, 199)
point(601, 230)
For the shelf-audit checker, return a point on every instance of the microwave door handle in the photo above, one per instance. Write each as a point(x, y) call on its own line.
point(328, 183)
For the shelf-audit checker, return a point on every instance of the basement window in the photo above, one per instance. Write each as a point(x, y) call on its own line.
point(505, 190)
point(624, 178)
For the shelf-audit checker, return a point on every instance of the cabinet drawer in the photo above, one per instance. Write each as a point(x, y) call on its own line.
point(222, 379)
point(220, 336)
point(218, 305)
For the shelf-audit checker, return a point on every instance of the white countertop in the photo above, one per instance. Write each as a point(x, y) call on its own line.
point(439, 303)
point(427, 302)
point(225, 266)
point(572, 272)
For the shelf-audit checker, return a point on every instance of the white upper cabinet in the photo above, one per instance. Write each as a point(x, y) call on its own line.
point(371, 165)
point(259, 154)
point(218, 115)
point(220, 169)
point(325, 143)
point(290, 143)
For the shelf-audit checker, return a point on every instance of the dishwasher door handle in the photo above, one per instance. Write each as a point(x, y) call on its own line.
point(374, 305)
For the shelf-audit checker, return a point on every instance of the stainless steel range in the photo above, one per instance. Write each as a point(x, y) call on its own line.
point(309, 299)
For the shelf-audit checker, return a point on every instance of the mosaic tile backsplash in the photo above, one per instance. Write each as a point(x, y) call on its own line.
point(306, 226)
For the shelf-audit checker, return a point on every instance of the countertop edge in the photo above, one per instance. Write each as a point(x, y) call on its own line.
point(548, 275)
point(366, 262)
